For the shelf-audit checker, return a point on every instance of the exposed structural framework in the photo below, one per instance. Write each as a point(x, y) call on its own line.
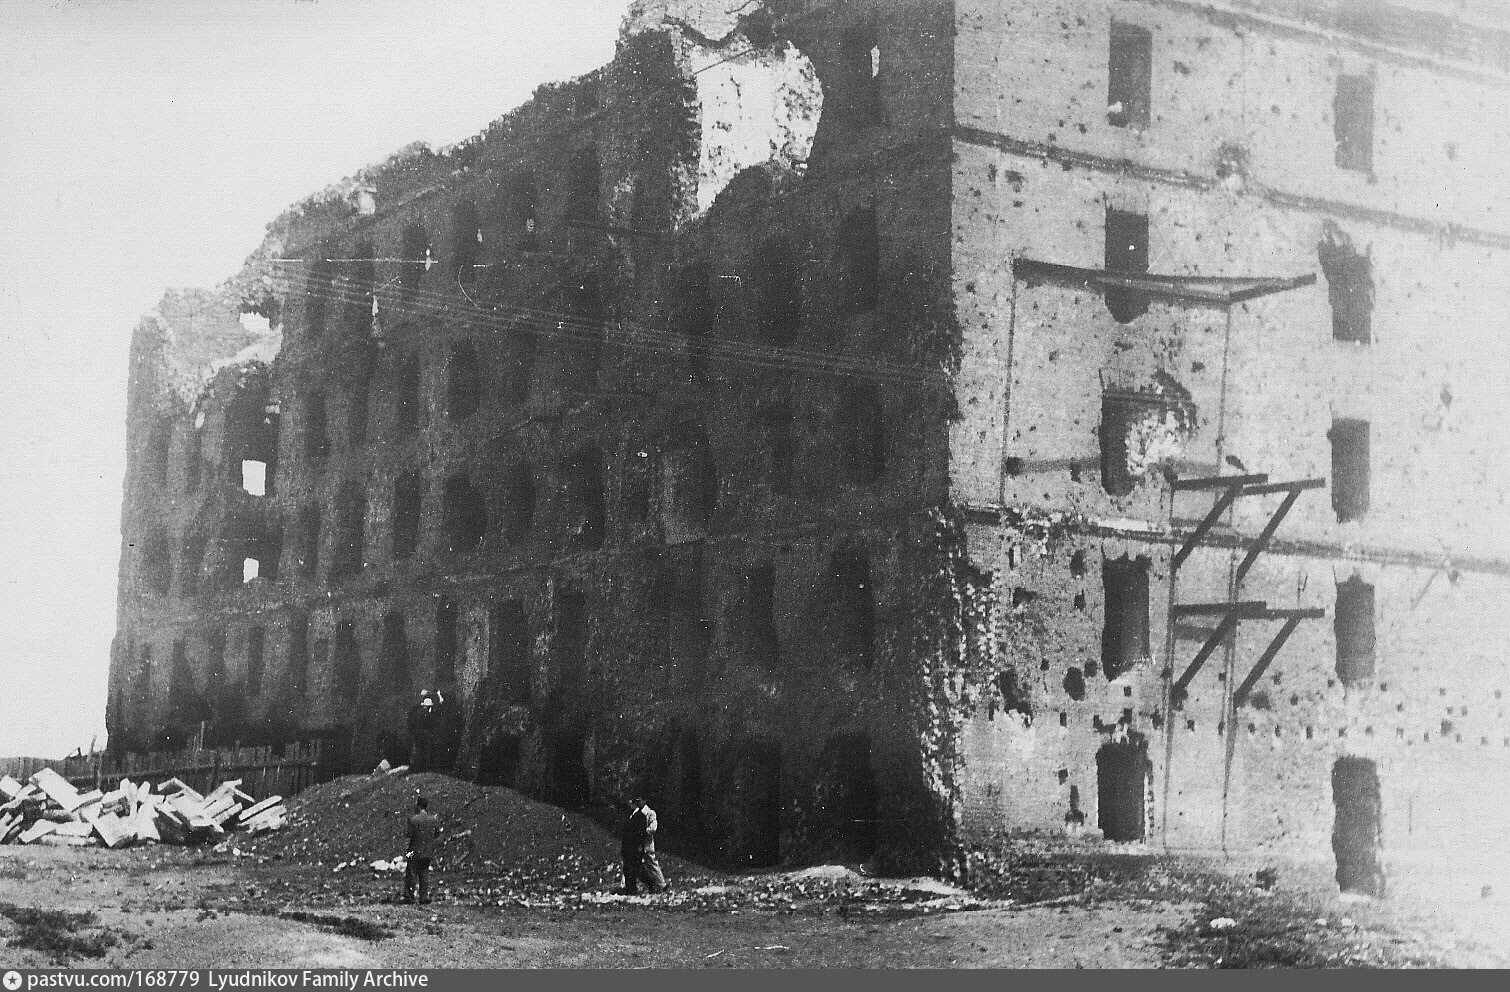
point(814, 418)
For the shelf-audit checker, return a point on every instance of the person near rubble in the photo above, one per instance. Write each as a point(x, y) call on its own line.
point(424, 831)
point(637, 846)
point(422, 733)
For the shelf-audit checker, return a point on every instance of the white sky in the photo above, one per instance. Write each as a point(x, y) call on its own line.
point(146, 144)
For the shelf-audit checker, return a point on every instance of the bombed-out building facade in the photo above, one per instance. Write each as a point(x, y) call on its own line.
point(877, 430)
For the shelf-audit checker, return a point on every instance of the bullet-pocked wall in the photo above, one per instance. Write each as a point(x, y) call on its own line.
point(622, 425)
point(1259, 143)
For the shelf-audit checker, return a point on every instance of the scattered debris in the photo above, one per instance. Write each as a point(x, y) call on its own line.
point(1222, 923)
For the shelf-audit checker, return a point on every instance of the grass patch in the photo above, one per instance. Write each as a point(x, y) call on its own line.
point(56, 932)
point(346, 926)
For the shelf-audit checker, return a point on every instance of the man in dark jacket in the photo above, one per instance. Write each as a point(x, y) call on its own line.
point(421, 733)
point(424, 829)
point(637, 845)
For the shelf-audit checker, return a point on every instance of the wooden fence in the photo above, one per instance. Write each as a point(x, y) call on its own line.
point(262, 770)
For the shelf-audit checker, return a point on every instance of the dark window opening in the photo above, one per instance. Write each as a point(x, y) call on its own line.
point(1124, 629)
point(466, 244)
point(859, 250)
point(1353, 122)
point(298, 656)
point(519, 365)
point(1126, 253)
point(1350, 287)
point(693, 314)
point(414, 258)
point(215, 666)
point(1074, 684)
point(143, 690)
point(250, 550)
point(1357, 830)
point(509, 650)
point(361, 279)
point(307, 541)
point(1123, 773)
point(1353, 624)
point(316, 428)
point(357, 398)
point(498, 760)
point(862, 426)
point(582, 498)
point(1015, 697)
point(463, 382)
point(776, 422)
point(682, 631)
point(518, 503)
point(524, 209)
point(861, 54)
point(636, 486)
point(1120, 413)
point(409, 405)
point(157, 563)
point(252, 422)
point(193, 461)
point(159, 443)
point(569, 644)
point(688, 485)
point(778, 291)
point(191, 564)
point(394, 652)
point(853, 794)
point(346, 661)
point(465, 513)
point(583, 187)
point(579, 334)
point(855, 627)
point(754, 791)
point(447, 623)
point(1350, 469)
point(408, 502)
point(760, 599)
point(348, 553)
point(318, 292)
point(255, 642)
point(1129, 76)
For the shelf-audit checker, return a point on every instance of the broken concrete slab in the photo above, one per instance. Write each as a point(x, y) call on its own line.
point(57, 788)
point(40, 828)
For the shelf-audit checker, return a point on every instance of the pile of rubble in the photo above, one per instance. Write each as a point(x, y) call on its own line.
point(48, 810)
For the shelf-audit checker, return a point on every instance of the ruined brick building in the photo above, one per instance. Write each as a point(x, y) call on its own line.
point(863, 426)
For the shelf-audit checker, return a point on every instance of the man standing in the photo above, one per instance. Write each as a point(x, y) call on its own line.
point(424, 828)
point(421, 733)
point(637, 845)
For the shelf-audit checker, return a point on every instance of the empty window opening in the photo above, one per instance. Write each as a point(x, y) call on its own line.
point(157, 563)
point(509, 650)
point(1350, 469)
point(583, 187)
point(394, 651)
point(518, 503)
point(466, 243)
point(463, 382)
point(579, 333)
point(1141, 431)
point(582, 503)
point(447, 622)
point(307, 541)
point(1014, 695)
point(251, 549)
point(465, 513)
point(688, 485)
point(861, 54)
point(859, 252)
point(414, 258)
point(1350, 286)
point(193, 460)
point(636, 485)
point(316, 429)
point(408, 503)
point(566, 757)
point(251, 568)
point(348, 552)
point(778, 290)
point(862, 425)
point(346, 661)
point(254, 477)
point(519, 364)
point(854, 797)
point(298, 656)
point(1353, 122)
point(1126, 250)
point(682, 631)
point(361, 277)
point(524, 200)
point(357, 398)
point(1123, 774)
point(159, 443)
point(760, 597)
point(1129, 76)
point(1077, 564)
point(255, 642)
point(855, 629)
point(694, 313)
point(408, 405)
point(1074, 684)
point(1353, 624)
point(569, 643)
point(191, 564)
point(776, 425)
point(1357, 831)
point(252, 420)
point(755, 792)
point(1124, 631)
point(319, 288)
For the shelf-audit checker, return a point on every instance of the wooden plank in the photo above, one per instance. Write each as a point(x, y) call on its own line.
point(9, 787)
point(258, 808)
point(57, 789)
point(39, 829)
point(113, 830)
point(75, 828)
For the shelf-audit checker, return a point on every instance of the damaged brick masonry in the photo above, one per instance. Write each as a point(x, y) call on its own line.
point(785, 421)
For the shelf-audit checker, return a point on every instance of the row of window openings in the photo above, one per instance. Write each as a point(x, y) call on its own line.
point(1130, 84)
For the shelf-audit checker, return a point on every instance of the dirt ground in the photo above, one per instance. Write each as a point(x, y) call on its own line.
point(525, 885)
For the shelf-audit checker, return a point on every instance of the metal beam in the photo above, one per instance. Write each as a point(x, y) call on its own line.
point(1204, 527)
point(1280, 487)
point(1261, 543)
point(1246, 608)
point(1241, 695)
point(1219, 482)
point(1228, 624)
